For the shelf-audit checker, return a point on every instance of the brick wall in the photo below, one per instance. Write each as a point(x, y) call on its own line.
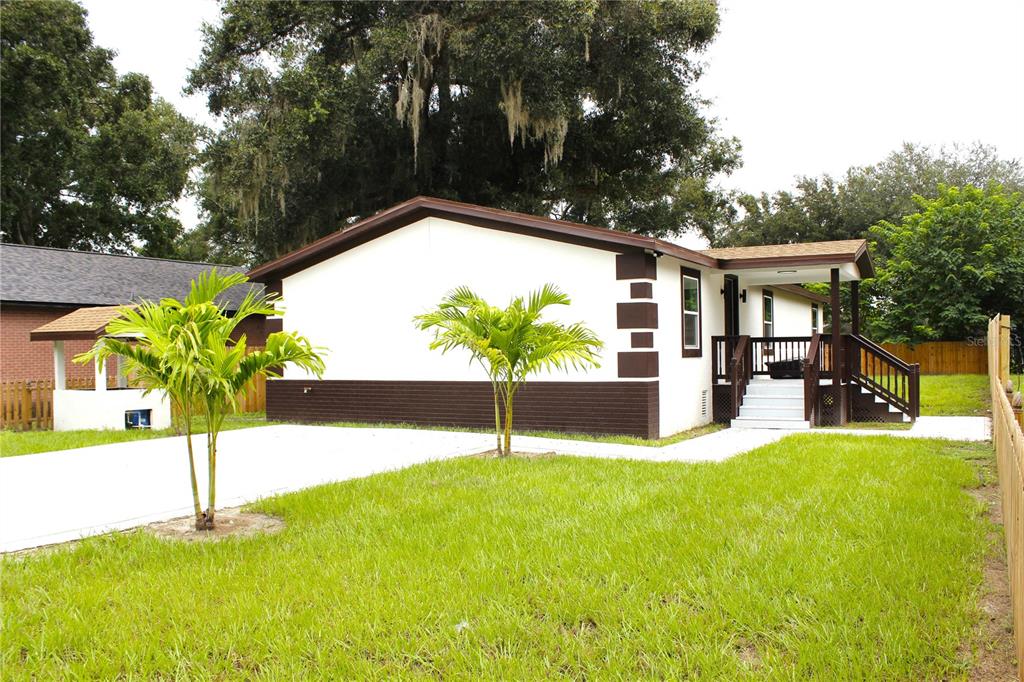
point(600, 407)
point(24, 360)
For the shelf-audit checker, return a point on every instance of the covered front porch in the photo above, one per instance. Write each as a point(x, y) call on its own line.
point(101, 407)
point(828, 378)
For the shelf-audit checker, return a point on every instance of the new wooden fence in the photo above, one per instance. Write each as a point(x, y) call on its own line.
point(28, 405)
point(1008, 440)
point(943, 357)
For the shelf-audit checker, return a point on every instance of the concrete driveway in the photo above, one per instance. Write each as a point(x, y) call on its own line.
point(60, 496)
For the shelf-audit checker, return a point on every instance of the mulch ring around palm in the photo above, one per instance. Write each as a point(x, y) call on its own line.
point(230, 523)
point(494, 454)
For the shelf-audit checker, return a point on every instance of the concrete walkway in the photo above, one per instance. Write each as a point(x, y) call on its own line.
point(60, 496)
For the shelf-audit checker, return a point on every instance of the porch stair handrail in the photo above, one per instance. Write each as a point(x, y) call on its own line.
point(812, 374)
point(883, 374)
point(740, 372)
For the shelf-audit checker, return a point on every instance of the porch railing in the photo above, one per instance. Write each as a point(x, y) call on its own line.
point(879, 371)
point(767, 349)
point(863, 364)
point(763, 350)
point(740, 366)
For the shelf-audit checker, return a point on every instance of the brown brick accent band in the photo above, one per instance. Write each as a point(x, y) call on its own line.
point(638, 364)
point(636, 265)
point(641, 290)
point(598, 407)
point(641, 340)
point(637, 315)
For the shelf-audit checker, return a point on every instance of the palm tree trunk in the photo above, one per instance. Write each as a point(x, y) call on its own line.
point(509, 395)
point(211, 458)
point(497, 417)
point(192, 467)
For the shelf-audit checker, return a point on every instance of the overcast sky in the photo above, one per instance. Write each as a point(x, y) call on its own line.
point(808, 86)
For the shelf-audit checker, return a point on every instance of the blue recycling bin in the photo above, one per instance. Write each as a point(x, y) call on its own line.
point(138, 419)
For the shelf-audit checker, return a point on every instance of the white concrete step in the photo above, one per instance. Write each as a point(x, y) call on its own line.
point(776, 388)
point(796, 412)
point(878, 400)
point(774, 423)
point(773, 400)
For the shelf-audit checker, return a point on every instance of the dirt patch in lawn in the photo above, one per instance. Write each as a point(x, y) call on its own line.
point(995, 655)
point(230, 523)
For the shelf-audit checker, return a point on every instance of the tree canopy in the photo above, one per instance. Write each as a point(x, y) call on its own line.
point(90, 159)
point(952, 265)
point(583, 110)
point(828, 208)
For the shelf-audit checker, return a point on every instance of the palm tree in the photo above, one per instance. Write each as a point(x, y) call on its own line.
point(511, 344)
point(185, 348)
point(464, 320)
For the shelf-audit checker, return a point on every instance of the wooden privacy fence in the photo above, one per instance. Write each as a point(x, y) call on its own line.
point(943, 357)
point(28, 405)
point(1008, 440)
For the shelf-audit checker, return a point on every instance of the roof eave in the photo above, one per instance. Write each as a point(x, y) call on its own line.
point(66, 336)
point(423, 207)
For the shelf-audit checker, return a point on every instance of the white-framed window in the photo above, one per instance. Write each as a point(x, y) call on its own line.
point(815, 317)
point(691, 312)
point(768, 328)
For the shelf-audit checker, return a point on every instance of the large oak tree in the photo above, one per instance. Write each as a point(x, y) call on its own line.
point(91, 159)
point(584, 110)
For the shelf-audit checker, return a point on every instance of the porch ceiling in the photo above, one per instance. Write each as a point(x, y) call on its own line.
point(796, 274)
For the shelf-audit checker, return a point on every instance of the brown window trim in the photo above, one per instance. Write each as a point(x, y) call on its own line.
point(699, 350)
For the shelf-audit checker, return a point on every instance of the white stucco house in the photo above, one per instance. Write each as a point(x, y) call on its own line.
point(690, 336)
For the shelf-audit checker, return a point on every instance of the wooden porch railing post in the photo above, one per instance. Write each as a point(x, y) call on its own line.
point(838, 356)
point(915, 391)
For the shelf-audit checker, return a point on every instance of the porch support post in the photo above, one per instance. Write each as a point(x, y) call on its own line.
point(59, 377)
point(855, 307)
point(838, 388)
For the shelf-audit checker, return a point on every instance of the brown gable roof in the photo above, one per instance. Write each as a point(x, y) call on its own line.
point(84, 323)
point(422, 207)
point(845, 250)
point(521, 223)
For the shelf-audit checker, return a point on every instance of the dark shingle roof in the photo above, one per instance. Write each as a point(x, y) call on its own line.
point(34, 274)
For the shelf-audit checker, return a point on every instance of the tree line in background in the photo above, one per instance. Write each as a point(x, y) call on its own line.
point(946, 229)
point(91, 160)
point(582, 110)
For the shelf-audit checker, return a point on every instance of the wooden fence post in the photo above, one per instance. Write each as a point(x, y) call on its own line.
point(1004, 349)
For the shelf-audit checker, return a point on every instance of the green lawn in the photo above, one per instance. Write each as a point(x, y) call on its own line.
point(821, 556)
point(29, 442)
point(954, 394)
point(14, 443)
point(624, 440)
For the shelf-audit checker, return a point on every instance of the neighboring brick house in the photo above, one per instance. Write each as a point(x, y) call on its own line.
point(39, 284)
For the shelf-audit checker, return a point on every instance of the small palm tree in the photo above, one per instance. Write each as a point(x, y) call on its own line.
point(185, 348)
point(511, 344)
